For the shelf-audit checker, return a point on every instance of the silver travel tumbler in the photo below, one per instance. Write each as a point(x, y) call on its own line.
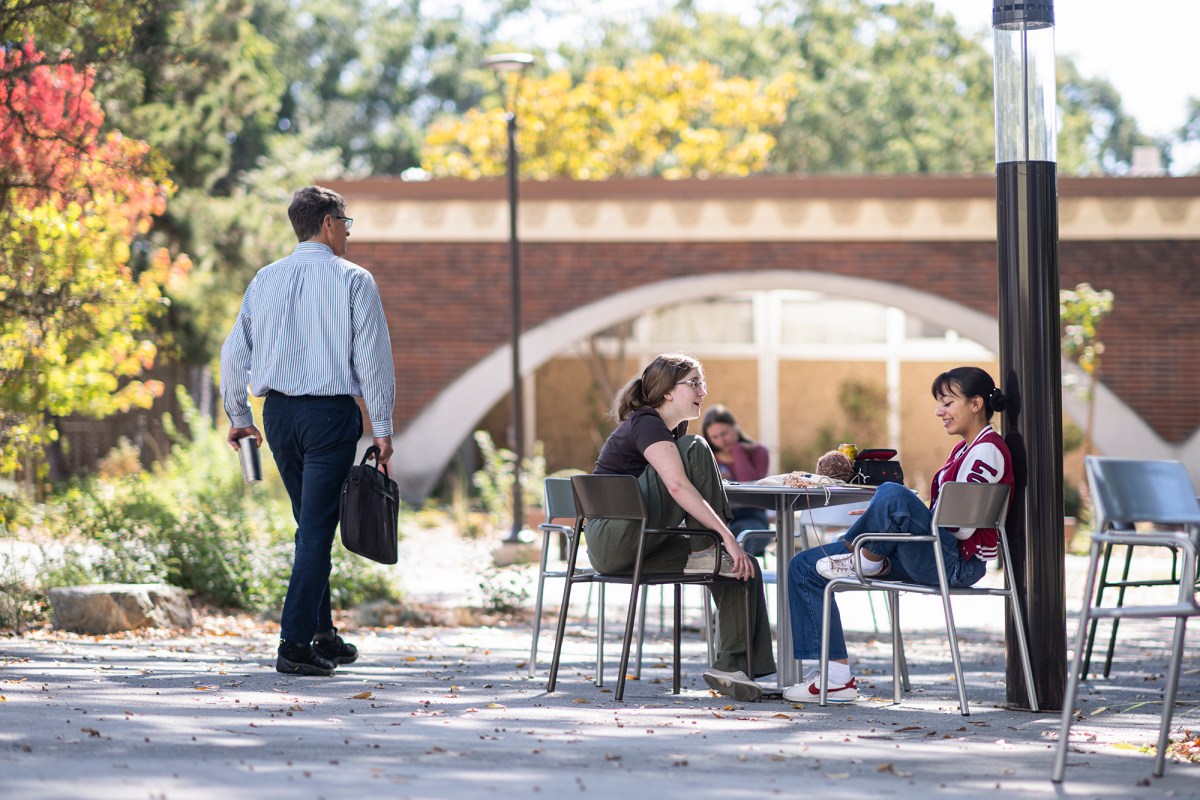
point(251, 465)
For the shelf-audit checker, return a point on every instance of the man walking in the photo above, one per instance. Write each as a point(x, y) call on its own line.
point(310, 337)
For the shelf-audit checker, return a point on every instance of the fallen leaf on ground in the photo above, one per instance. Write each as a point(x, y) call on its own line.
point(361, 696)
point(495, 705)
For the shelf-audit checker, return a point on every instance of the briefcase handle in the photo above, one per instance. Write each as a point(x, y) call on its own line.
point(373, 452)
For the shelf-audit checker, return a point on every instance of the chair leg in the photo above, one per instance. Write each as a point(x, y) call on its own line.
point(1187, 582)
point(1164, 727)
point(1076, 671)
point(826, 616)
point(750, 621)
point(562, 627)
point(1014, 604)
point(637, 671)
point(900, 682)
point(1101, 585)
point(627, 643)
point(599, 634)
point(952, 634)
point(537, 606)
point(677, 634)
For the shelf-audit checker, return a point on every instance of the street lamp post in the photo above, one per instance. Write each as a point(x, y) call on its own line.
point(508, 68)
point(1031, 372)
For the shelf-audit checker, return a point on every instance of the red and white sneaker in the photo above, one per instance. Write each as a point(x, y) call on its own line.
point(809, 691)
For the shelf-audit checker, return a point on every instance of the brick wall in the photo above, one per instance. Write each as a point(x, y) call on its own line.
point(447, 303)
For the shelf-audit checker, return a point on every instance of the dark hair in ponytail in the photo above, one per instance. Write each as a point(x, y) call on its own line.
point(971, 382)
point(651, 387)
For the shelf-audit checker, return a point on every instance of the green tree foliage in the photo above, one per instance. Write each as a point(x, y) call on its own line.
point(882, 88)
point(1097, 135)
point(75, 314)
point(81, 32)
point(652, 118)
point(298, 92)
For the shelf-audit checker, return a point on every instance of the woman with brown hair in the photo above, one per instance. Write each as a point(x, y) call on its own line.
point(740, 459)
point(681, 486)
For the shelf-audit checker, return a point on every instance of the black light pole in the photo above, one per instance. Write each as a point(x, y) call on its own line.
point(505, 65)
point(1031, 374)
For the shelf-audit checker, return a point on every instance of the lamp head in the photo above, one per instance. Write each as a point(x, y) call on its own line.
point(1031, 14)
point(505, 63)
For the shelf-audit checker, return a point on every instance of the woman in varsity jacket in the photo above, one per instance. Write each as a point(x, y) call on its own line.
point(966, 399)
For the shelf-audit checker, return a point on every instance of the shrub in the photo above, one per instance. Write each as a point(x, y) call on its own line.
point(192, 522)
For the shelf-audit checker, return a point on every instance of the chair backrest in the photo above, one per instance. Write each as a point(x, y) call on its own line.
point(1126, 491)
point(558, 499)
point(608, 497)
point(971, 505)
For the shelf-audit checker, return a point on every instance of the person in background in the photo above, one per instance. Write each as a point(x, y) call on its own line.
point(742, 460)
point(311, 336)
point(966, 398)
point(679, 480)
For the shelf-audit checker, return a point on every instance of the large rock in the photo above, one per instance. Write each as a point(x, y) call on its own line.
point(111, 607)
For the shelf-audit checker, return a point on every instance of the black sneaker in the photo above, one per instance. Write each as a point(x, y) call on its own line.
point(302, 659)
point(332, 647)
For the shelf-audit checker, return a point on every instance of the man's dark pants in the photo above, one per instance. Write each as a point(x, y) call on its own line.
point(313, 440)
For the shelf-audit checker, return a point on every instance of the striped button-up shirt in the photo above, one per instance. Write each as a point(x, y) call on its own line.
point(310, 324)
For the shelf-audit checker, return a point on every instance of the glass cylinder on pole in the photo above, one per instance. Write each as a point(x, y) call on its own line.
point(1026, 114)
point(1030, 362)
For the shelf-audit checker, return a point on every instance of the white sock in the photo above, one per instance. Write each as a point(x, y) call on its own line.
point(839, 673)
point(869, 567)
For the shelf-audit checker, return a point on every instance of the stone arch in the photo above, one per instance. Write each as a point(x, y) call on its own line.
point(427, 445)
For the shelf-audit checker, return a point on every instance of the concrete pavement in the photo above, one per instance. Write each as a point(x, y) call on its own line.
point(452, 713)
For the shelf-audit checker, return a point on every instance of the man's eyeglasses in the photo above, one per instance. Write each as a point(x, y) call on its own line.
point(349, 222)
point(698, 384)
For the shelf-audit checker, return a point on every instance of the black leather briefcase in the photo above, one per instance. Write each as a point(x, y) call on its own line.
point(369, 510)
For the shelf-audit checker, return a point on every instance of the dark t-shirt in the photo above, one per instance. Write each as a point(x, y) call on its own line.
point(624, 452)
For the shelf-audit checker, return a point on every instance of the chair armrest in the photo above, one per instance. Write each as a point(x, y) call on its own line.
point(1146, 539)
point(862, 539)
point(550, 527)
point(705, 532)
point(745, 536)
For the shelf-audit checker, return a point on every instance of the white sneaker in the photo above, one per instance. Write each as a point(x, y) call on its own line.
point(809, 691)
point(842, 566)
point(737, 685)
point(703, 561)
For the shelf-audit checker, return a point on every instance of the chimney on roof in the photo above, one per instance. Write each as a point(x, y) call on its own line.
point(1147, 162)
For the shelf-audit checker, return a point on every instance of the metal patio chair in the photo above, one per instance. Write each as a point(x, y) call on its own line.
point(619, 497)
point(960, 505)
point(1125, 493)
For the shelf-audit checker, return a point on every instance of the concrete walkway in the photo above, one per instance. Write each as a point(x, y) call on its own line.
point(452, 713)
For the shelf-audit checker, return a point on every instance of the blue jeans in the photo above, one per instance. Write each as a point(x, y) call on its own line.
point(894, 509)
point(313, 440)
point(747, 518)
